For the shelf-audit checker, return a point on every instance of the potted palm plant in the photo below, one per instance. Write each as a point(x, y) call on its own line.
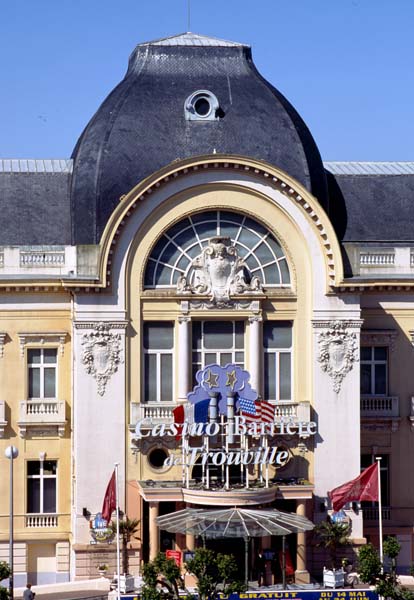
point(333, 535)
point(128, 528)
point(102, 569)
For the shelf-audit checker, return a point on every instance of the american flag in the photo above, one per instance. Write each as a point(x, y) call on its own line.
point(250, 409)
point(267, 412)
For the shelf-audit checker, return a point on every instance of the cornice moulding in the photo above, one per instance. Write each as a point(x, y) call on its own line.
point(94, 324)
point(42, 338)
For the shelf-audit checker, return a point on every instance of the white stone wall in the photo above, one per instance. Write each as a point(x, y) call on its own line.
point(98, 429)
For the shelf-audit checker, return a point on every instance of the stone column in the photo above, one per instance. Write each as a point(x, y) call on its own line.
point(154, 536)
point(255, 352)
point(184, 357)
point(180, 538)
point(301, 573)
point(189, 541)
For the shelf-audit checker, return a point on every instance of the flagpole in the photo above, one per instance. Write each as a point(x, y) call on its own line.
point(118, 562)
point(378, 459)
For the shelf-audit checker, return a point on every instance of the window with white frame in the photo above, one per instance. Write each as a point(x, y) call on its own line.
point(158, 361)
point(173, 255)
point(374, 367)
point(41, 486)
point(42, 372)
point(277, 343)
point(217, 342)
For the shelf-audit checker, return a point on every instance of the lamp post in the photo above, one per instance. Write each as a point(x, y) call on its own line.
point(11, 453)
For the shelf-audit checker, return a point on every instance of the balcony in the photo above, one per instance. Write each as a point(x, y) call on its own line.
point(159, 412)
point(41, 521)
point(3, 422)
point(372, 513)
point(46, 415)
point(379, 412)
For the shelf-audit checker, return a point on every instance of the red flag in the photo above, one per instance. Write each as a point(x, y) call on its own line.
point(178, 413)
point(363, 487)
point(109, 503)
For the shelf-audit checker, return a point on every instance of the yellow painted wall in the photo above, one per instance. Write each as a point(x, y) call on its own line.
point(13, 385)
point(391, 312)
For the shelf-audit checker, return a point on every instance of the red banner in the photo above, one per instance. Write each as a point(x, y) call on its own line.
point(175, 555)
point(363, 487)
point(109, 503)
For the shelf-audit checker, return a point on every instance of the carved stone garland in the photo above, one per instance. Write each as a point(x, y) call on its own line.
point(101, 354)
point(338, 351)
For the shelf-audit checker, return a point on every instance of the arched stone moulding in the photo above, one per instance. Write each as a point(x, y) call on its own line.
point(258, 170)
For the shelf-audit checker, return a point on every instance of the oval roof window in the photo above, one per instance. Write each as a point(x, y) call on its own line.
point(201, 106)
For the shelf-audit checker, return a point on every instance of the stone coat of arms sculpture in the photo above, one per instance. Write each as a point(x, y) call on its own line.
point(338, 350)
point(219, 272)
point(101, 354)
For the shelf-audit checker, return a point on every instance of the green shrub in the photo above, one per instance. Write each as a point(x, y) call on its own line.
point(369, 564)
point(4, 574)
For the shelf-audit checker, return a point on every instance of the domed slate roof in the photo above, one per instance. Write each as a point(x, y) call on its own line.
point(142, 126)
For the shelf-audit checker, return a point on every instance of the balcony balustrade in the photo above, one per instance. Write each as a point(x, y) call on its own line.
point(371, 513)
point(380, 406)
point(44, 413)
point(159, 413)
point(377, 259)
point(41, 521)
point(3, 422)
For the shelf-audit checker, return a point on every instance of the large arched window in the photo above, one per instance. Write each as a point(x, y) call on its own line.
point(173, 255)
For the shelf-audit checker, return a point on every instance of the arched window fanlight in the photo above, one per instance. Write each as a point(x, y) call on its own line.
point(176, 250)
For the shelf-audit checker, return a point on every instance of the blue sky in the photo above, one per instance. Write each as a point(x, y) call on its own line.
point(346, 65)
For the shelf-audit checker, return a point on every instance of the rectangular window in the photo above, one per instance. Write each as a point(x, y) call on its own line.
point(158, 361)
point(277, 342)
point(217, 342)
point(41, 486)
point(42, 371)
point(374, 370)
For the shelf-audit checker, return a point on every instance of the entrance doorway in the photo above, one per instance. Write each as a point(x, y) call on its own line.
point(234, 546)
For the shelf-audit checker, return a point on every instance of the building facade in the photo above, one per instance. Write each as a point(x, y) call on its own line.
point(195, 225)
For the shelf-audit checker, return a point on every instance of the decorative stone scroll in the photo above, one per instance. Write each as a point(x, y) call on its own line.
point(101, 354)
point(220, 273)
point(337, 349)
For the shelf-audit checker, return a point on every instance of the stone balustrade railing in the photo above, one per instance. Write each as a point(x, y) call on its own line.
point(163, 413)
point(371, 513)
point(380, 406)
point(3, 421)
point(44, 413)
point(42, 258)
point(377, 259)
point(41, 521)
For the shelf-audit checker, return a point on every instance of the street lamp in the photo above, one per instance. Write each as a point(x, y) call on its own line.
point(11, 453)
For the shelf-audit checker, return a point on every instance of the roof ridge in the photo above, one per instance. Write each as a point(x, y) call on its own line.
point(188, 38)
point(36, 165)
point(370, 167)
